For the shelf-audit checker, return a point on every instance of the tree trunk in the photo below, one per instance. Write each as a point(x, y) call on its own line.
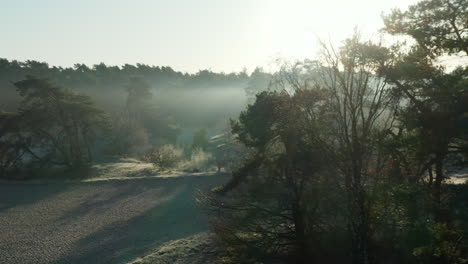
point(437, 188)
point(360, 232)
point(359, 223)
point(299, 229)
point(240, 175)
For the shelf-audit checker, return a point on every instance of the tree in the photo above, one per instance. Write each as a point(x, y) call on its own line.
point(129, 131)
point(13, 145)
point(273, 201)
point(361, 108)
point(271, 215)
point(259, 81)
point(435, 109)
point(438, 26)
point(200, 140)
point(228, 151)
point(127, 135)
point(437, 99)
point(63, 124)
point(138, 94)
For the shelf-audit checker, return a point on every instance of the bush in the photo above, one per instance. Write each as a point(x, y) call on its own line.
point(167, 156)
point(199, 161)
point(445, 246)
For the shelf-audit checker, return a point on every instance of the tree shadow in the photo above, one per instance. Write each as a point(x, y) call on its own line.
point(177, 216)
point(14, 193)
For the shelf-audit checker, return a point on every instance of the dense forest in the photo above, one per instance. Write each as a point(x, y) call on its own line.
point(344, 158)
point(182, 95)
point(171, 106)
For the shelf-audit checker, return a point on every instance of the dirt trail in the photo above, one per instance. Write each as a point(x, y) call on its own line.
point(111, 221)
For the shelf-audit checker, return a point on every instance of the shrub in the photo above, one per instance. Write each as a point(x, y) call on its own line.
point(166, 156)
point(199, 161)
point(446, 245)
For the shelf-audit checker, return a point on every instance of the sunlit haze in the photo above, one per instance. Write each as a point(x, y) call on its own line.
point(234, 131)
point(188, 35)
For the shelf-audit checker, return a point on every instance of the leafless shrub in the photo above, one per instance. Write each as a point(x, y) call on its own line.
point(164, 157)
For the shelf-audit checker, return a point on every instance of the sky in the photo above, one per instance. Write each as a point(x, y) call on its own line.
point(187, 35)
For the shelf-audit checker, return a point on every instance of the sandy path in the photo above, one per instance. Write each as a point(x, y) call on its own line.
point(111, 221)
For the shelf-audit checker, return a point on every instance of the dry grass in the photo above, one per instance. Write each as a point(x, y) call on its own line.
point(125, 169)
point(196, 249)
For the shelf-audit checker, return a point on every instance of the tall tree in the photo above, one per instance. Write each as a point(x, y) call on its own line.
point(259, 81)
point(361, 109)
point(272, 213)
point(437, 99)
point(200, 140)
point(64, 122)
point(438, 26)
point(138, 94)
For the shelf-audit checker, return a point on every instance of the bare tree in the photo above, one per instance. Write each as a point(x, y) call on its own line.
point(361, 109)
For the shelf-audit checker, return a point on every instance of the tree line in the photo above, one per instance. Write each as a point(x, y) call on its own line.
point(102, 76)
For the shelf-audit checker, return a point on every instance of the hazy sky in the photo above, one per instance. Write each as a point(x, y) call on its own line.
point(188, 35)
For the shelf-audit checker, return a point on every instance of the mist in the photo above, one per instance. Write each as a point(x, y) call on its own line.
point(204, 100)
point(234, 132)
